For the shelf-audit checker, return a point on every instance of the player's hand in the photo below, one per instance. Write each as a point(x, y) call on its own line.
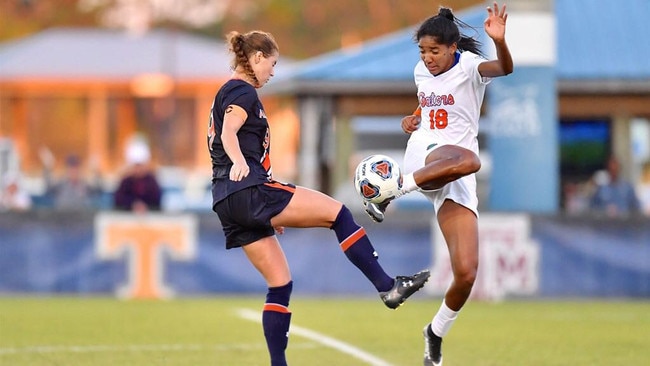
point(239, 171)
point(410, 123)
point(495, 24)
point(279, 230)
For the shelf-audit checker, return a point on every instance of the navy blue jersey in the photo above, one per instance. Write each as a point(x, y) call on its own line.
point(254, 139)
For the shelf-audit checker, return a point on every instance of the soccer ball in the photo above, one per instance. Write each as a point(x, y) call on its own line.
point(378, 178)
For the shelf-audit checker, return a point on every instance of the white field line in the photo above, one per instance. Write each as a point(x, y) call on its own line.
point(340, 346)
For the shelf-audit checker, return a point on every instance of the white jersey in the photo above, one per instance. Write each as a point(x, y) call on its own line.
point(451, 107)
point(451, 102)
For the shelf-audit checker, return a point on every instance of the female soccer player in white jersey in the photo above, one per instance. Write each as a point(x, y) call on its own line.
point(442, 153)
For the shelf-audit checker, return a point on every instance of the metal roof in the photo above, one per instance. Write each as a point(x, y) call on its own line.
point(603, 46)
point(391, 57)
point(600, 39)
point(99, 54)
point(82, 53)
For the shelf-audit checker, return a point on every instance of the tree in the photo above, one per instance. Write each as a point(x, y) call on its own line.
point(303, 28)
point(138, 16)
point(306, 28)
point(19, 18)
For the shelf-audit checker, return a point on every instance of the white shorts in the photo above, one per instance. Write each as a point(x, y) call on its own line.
point(461, 191)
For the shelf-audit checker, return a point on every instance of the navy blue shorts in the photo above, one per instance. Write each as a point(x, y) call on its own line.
point(246, 215)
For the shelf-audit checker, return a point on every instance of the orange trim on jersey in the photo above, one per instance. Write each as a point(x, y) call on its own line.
point(266, 163)
point(281, 186)
point(277, 308)
point(418, 112)
point(352, 239)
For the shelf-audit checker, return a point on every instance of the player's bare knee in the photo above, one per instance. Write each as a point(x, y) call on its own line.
point(470, 162)
point(465, 278)
point(464, 163)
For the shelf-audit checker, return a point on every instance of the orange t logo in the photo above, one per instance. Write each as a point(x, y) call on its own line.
point(145, 238)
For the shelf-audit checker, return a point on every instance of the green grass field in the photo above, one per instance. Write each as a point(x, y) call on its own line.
point(326, 332)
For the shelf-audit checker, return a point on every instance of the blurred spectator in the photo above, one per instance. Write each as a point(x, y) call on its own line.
point(13, 197)
point(9, 160)
point(71, 191)
point(643, 189)
point(138, 190)
point(614, 196)
point(576, 197)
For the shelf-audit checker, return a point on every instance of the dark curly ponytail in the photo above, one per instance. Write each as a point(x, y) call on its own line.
point(444, 27)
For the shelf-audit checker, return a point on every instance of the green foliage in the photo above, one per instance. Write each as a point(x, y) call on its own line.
point(209, 331)
point(20, 18)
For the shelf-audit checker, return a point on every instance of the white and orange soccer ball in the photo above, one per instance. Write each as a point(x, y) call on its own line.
point(378, 178)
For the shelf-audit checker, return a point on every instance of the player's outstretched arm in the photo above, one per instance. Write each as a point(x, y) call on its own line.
point(495, 28)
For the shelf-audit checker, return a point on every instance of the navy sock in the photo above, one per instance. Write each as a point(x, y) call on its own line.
point(357, 247)
point(276, 319)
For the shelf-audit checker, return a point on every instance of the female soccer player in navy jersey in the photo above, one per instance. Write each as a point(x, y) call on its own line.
point(441, 156)
point(252, 206)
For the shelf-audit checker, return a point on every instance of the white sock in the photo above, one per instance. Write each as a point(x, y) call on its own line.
point(408, 183)
point(443, 320)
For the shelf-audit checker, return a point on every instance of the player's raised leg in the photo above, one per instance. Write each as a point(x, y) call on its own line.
point(444, 164)
point(353, 241)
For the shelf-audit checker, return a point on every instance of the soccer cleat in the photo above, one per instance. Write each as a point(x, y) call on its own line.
point(404, 287)
point(432, 348)
point(376, 210)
